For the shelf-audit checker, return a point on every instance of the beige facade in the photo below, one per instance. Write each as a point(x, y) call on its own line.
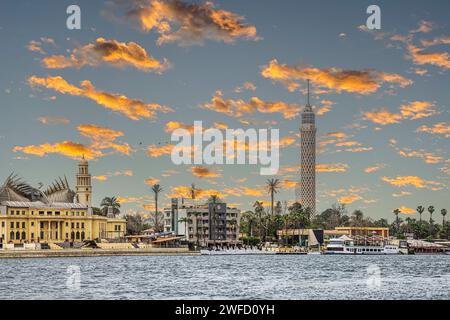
point(28, 222)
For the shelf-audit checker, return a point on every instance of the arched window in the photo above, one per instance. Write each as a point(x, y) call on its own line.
point(72, 235)
point(78, 235)
point(82, 235)
point(24, 235)
point(11, 235)
point(17, 235)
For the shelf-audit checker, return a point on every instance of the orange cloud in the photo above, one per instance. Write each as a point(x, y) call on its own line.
point(185, 192)
point(334, 79)
point(382, 117)
point(101, 139)
point(406, 210)
point(245, 191)
point(417, 110)
point(374, 168)
point(151, 181)
point(132, 108)
point(157, 151)
point(427, 157)
point(439, 128)
point(115, 53)
point(125, 173)
point(204, 172)
point(415, 181)
point(237, 107)
point(419, 57)
point(246, 86)
point(66, 148)
point(173, 125)
point(349, 199)
point(189, 23)
point(333, 167)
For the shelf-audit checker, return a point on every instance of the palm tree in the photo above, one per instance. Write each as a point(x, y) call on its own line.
point(193, 192)
point(431, 210)
point(273, 185)
point(185, 220)
point(444, 213)
point(110, 202)
point(213, 200)
point(396, 212)
point(420, 210)
point(156, 190)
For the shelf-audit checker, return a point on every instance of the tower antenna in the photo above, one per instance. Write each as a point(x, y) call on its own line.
point(308, 90)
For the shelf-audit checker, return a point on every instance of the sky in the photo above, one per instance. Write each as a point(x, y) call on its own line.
point(114, 91)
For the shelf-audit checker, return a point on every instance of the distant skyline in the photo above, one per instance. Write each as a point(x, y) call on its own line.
point(115, 90)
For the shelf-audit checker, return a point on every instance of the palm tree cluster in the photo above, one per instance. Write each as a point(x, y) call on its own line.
point(421, 229)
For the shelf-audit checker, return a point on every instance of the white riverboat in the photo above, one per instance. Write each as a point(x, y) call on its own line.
point(345, 245)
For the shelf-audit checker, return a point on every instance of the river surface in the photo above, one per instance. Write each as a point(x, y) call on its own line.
point(227, 277)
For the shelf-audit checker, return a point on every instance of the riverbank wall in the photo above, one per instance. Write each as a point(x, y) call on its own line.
point(14, 254)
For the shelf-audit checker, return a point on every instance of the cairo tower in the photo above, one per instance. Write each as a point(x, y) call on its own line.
point(306, 191)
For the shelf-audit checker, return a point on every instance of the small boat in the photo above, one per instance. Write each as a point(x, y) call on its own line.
point(345, 245)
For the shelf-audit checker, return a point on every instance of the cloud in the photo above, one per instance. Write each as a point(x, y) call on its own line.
point(66, 148)
point(417, 110)
point(204, 172)
point(237, 107)
point(406, 210)
point(427, 157)
point(382, 117)
point(333, 79)
point(201, 194)
point(157, 150)
point(245, 191)
point(410, 111)
point(246, 86)
point(189, 23)
point(374, 168)
point(151, 181)
point(333, 167)
point(439, 128)
point(112, 52)
point(424, 27)
point(325, 107)
point(349, 199)
point(401, 194)
point(35, 46)
point(174, 125)
point(51, 120)
point(420, 57)
point(101, 139)
point(119, 173)
point(132, 108)
point(415, 181)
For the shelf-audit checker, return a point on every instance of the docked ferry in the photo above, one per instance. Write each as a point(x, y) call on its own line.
point(346, 246)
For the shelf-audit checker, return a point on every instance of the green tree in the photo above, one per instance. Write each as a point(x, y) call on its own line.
point(273, 185)
point(420, 210)
point(397, 221)
point(110, 202)
point(431, 210)
point(157, 189)
point(135, 224)
point(444, 213)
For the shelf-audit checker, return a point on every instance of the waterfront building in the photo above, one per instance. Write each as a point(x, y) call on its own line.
point(57, 214)
point(204, 224)
point(306, 189)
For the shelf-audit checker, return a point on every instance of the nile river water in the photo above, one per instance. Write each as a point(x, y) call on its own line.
point(227, 277)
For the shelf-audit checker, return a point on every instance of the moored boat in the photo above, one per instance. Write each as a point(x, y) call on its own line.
point(345, 245)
